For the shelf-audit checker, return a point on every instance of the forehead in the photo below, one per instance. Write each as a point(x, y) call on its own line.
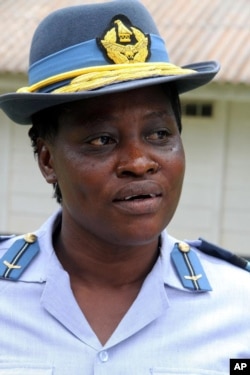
point(147, 98)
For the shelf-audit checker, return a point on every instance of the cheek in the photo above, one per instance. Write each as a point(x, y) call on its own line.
point(79, 174)
point(174, 175)
point(180, 162)
point(175, 165)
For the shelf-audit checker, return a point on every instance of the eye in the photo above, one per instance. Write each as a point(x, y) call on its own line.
point(159, 135)
point(102, 140)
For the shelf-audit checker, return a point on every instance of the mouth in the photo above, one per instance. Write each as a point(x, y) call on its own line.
point(139, 198)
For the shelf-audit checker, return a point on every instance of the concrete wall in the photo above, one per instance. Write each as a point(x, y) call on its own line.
point(25, 198)
point(215, 203)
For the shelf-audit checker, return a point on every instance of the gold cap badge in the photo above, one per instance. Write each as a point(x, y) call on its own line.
point(124, 43)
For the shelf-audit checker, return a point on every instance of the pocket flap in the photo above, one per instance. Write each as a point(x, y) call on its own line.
point(11, 370)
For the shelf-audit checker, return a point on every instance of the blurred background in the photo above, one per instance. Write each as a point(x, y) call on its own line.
point(215, 202)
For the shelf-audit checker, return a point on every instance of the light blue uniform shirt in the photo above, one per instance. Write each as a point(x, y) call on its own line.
point(167, 330)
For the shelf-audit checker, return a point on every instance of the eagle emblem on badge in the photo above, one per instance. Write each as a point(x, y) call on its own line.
point(123, 43)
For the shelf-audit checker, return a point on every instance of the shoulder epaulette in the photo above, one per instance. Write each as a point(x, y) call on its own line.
point(18, 257)
point(219, 252)
point(189, 268)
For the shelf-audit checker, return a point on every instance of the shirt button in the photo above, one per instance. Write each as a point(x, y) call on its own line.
point(104, 356)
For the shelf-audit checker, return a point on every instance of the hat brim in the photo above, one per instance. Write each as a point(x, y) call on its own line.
point(21, 106)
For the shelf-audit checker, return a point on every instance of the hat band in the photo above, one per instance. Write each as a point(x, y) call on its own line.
point(119, 73)
point(85, 55)
point(99, 76)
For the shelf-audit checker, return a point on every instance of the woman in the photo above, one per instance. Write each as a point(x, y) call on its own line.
point(106, 289)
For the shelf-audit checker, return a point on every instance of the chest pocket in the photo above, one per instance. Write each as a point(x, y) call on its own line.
point(24, 370)
point(184, 371)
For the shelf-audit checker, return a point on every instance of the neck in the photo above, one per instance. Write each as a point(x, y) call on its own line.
point(92, 261)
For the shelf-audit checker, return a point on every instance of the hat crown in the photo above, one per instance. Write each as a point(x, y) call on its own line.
point(77, 24)
point(90, 50)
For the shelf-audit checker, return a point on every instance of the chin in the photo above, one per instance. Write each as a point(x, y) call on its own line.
point(140, 233)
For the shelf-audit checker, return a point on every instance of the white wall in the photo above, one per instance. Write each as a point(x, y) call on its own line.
point(25, 197)
point(199, 212)
point(236, 200)
point(215, 203)
point(5, 136)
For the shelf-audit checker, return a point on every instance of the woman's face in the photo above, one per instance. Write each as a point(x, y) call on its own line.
point(119, 162)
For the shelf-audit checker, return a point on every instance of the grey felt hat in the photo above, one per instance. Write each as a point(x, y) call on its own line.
point(96, 49)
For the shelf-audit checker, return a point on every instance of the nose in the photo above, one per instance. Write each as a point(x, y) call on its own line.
point(134, 161)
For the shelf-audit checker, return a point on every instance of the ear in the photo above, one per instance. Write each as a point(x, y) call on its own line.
point(45, 161)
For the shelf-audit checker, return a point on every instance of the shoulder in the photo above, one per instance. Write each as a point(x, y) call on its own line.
point(218, 252)
point(5, 242)
point(228, 273)
point(5, 238)
point(16, 253)
point(29, 253)
point(203, 266)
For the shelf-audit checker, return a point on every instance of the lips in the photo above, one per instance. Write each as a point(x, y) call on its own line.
point(138, 190)
point(139, 197)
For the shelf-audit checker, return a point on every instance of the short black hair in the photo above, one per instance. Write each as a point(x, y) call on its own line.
point(45, 124)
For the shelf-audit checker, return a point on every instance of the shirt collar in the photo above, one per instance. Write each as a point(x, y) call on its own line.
point(47, 259)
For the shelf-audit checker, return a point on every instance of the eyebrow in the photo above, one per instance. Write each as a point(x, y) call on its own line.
point(159, 113)
point(95, 121)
